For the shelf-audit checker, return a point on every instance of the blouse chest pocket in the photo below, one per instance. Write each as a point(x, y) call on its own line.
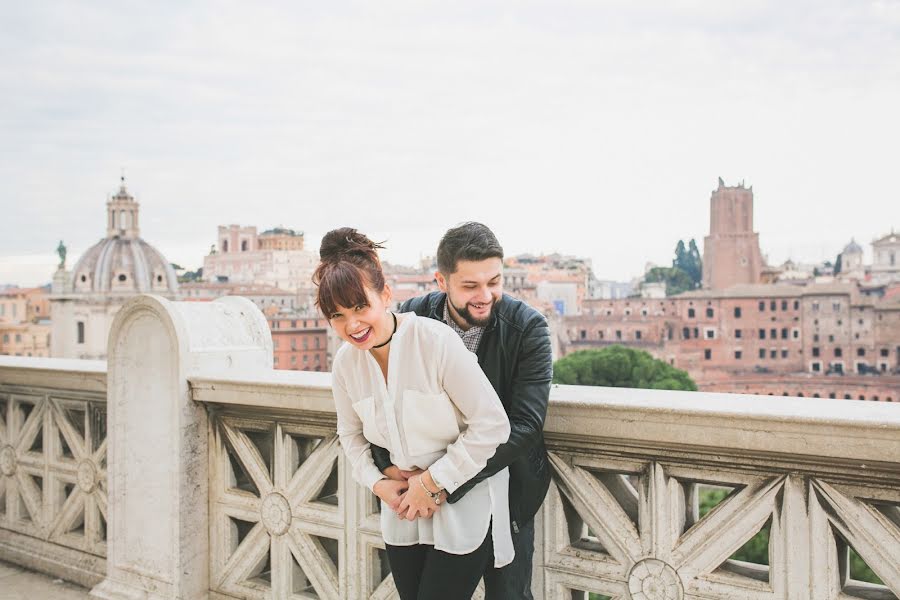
point(365, 408)
point(429, 422)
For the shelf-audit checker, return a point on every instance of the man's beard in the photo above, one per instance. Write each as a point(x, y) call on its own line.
point(467, 316)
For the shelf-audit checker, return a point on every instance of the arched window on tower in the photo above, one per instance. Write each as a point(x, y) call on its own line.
point(123, 220)
point(243, 245)
point(224, 245)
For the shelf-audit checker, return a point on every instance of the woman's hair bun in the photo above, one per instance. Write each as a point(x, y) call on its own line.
point(346, 242)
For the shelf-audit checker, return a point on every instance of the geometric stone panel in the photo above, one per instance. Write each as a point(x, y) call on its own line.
point(276, 529)
point(52, 484)
point(662, 532)
point(595, 519)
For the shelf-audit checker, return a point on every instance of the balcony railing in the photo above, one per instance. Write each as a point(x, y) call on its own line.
point(226, 480)
point(53, 493)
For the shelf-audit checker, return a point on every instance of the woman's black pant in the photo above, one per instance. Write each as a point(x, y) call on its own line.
point(423, 573)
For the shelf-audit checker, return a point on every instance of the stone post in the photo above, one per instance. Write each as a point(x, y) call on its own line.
point(158, 536)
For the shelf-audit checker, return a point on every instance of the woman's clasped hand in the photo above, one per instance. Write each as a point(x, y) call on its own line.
point(405, 494)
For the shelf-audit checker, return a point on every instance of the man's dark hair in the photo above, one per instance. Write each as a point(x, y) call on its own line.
point(469, 241)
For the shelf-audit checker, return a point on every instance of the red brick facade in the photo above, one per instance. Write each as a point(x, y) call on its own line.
point(762, 333)
point(300, 344)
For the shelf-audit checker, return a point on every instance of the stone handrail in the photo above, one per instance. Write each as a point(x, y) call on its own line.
point(53, 498)
point(821, 429)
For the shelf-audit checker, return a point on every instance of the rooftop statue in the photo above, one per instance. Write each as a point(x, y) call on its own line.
point(61, 250)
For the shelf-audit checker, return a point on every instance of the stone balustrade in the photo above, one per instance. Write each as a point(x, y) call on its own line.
point(226, 480)
point(53, 492)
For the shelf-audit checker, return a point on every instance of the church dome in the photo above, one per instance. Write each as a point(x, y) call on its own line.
point(122, 262)
point(123, 265)
point(852, 248)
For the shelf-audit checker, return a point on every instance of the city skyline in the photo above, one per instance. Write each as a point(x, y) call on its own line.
point(592, 130)
point(37, 269)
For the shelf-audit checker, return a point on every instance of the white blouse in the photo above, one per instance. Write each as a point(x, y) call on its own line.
point(438, 411)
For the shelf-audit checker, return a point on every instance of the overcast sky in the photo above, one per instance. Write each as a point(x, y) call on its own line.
point(590, 128)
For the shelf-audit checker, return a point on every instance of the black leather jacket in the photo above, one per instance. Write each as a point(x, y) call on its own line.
point(515, 354)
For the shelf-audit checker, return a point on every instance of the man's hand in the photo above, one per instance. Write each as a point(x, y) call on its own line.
point(391, 491)
point(394, 472)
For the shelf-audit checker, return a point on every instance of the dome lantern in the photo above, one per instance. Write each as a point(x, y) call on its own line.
point(122, 215)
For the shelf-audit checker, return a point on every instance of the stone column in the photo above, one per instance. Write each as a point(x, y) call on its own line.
point(158, 536)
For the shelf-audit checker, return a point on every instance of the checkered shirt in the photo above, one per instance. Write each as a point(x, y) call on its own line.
point(470, 338)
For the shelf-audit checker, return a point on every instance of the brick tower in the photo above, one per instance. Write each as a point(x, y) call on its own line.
point(731, 250)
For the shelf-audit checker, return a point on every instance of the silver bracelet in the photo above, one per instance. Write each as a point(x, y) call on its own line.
point(436, 496)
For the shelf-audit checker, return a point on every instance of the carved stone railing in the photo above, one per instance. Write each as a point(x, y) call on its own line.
point(623, 517)
point(820, 478)
point(53, 498)
point(226, 481)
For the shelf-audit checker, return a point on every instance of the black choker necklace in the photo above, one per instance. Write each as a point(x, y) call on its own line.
point(392, 334)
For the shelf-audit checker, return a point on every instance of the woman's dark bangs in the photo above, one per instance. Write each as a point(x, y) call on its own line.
point(341, 285)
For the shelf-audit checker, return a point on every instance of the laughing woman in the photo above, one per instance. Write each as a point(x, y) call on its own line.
point(408, 384)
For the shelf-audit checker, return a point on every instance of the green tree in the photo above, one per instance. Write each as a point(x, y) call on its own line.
point(689, 261)
point(676, 279)
point(190, 276)
point(618, 366)
point(860, 571)
point(695, 264)
point(681, 256)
